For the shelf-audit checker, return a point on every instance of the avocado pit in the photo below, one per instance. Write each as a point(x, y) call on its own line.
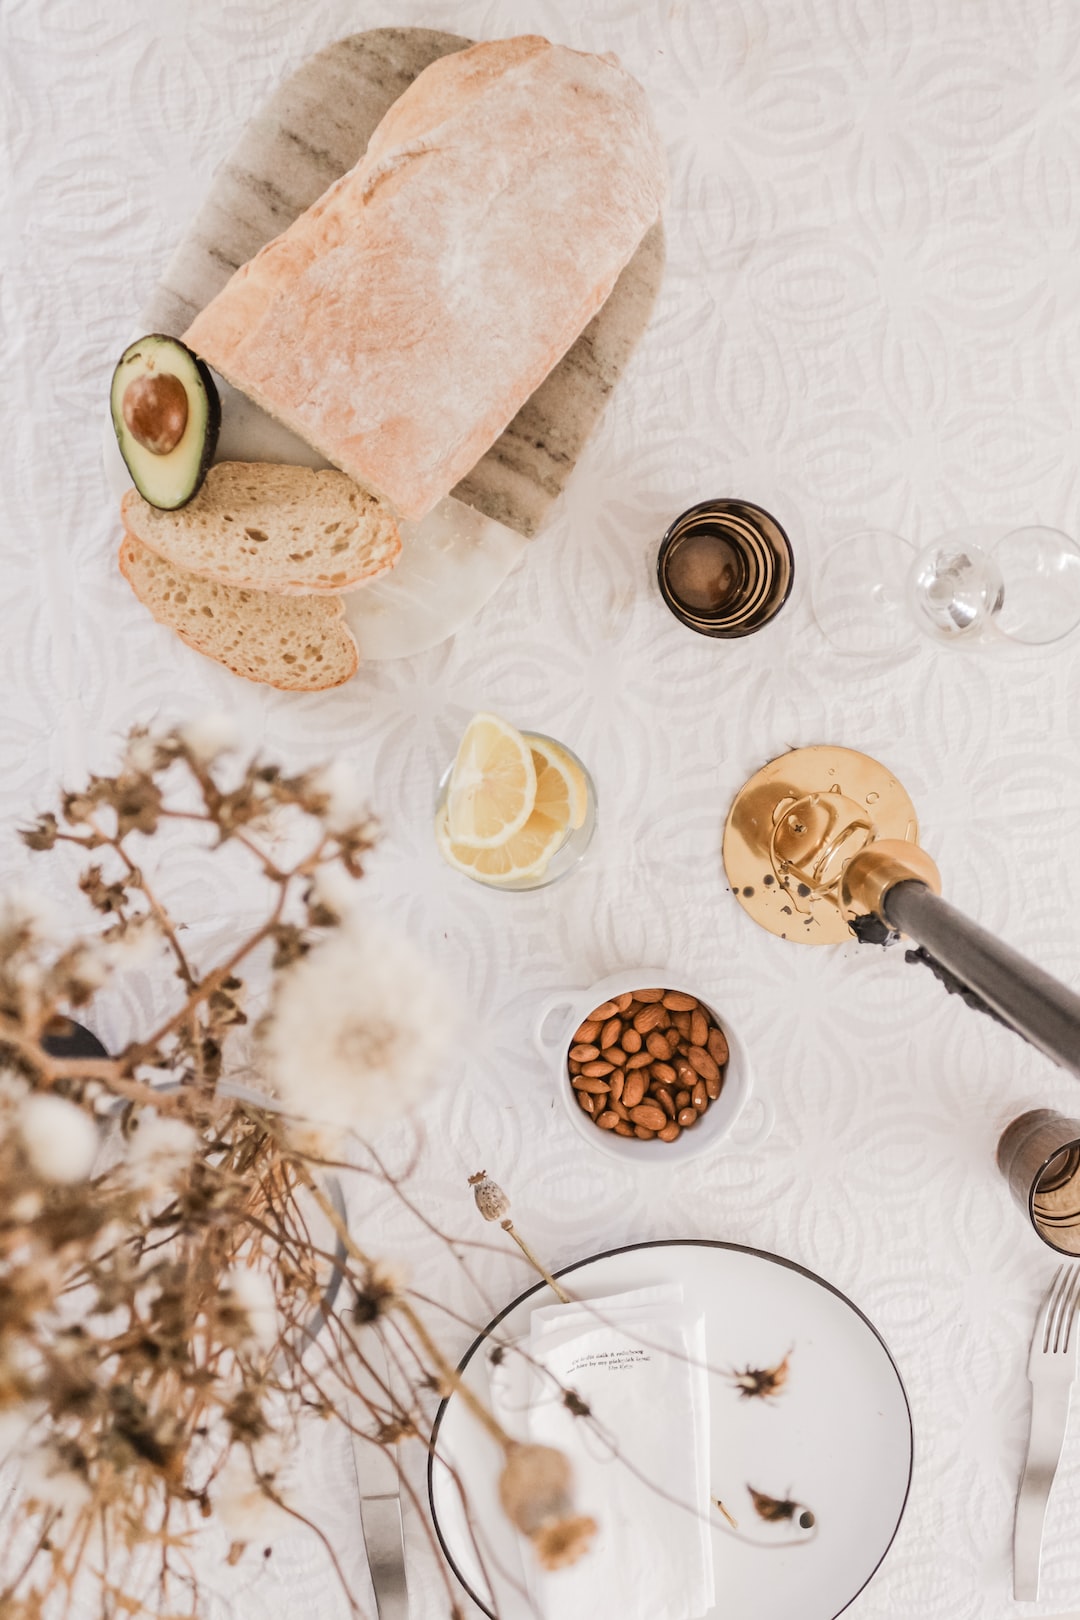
point(155, 410)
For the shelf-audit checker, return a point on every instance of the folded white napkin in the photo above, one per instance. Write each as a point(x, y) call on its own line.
point(638, 1361)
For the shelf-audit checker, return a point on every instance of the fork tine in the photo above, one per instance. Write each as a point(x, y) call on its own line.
point(1069, 1309)
point(1046, 1313)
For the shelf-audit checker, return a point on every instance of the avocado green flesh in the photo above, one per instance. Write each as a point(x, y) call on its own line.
point(170, 480)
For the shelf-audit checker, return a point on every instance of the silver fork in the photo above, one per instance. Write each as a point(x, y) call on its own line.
point(1051, 1371)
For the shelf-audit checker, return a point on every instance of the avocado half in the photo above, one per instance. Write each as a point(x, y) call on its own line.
point(166, 414)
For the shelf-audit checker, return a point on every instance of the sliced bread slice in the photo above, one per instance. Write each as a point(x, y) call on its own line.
point(300, 644)
point(268, 527)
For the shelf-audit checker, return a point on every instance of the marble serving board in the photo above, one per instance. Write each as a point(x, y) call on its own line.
point(311, 131)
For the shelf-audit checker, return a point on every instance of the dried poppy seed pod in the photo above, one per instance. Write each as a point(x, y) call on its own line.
point(491, 1201)
point(535, 1490)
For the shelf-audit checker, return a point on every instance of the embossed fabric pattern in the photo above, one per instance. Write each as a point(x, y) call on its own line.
point(870, 317)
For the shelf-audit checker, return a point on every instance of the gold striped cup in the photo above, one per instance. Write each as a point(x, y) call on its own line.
point(725, 568)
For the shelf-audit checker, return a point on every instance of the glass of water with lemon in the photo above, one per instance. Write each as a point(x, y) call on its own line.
point(516, 810)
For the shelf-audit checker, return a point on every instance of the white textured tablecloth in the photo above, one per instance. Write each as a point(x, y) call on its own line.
point(871, 314)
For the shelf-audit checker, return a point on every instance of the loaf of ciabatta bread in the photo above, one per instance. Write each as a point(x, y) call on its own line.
point(263, 526)
point(297, 643)
point(401, 322)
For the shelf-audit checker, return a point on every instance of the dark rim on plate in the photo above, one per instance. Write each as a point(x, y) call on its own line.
point(766, 548)
point(630, 1248)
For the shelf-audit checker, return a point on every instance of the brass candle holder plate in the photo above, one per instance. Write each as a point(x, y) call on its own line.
point(794, 826)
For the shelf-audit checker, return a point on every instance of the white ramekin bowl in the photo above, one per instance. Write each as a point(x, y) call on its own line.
point(562, 1013)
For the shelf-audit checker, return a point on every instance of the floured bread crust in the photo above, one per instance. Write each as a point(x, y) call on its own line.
point(402, 321)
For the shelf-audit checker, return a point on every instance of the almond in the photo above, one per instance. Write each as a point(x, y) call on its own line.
point(584, 1054)
point(601, 1014)
point(681, 1021)
point(700, 1097)
point(639, 1060)
point(648, 1018)
point(633, 1090)
point(678, 1001)
point(645, 1136)
point(631, 1041)
point(699, 1028)
point(698, 1059)
point(616, 1055)
point(712, 1087)
point(657, 1045)
point(618, 1108)
point(623, 1001)
point(610, 1032)
point(687, 1117)
point(595, 1070)
point(651, 1115)
point(646, 996)
point(624, 1129)
point(666, 1101)
point(618, 1080)
point(587, 1032)
point(670, 1132)
point(586, 1102)
point(607, 1121)
point(718, 1046)
point(580, 1083)
point(664, 1073)
point(682, 1098)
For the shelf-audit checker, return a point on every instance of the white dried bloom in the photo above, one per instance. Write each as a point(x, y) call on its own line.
point(209, 735)
point(90, 964)
point(61, 1139)
point(14, 1088)
point(359, 1029)
point(251, 1293)
point(242, 1504)
point(15, 1425)
point(140, 754)
point(48, 1481)
point(26, 918)
point(136, 947)
point(346, 800)
point(161, 1149)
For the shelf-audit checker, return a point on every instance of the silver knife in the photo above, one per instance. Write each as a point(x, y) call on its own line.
point(380, 1490)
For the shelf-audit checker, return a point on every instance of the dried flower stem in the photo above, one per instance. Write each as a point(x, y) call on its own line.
point(560, 1293)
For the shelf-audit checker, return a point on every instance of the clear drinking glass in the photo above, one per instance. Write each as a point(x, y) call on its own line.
point(874, 591)
point(570, 852)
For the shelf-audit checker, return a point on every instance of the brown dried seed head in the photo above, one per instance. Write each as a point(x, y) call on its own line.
point(535, 1486)
point(491, 1201)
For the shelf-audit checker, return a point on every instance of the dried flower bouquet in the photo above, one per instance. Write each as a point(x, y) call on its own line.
point(171, 1241)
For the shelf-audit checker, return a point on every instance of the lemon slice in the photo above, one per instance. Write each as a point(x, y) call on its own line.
point(528, 852)
point(561, 789)
point(493, 785)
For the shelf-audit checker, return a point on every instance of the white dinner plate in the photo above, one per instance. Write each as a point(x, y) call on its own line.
point(831, 1450)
